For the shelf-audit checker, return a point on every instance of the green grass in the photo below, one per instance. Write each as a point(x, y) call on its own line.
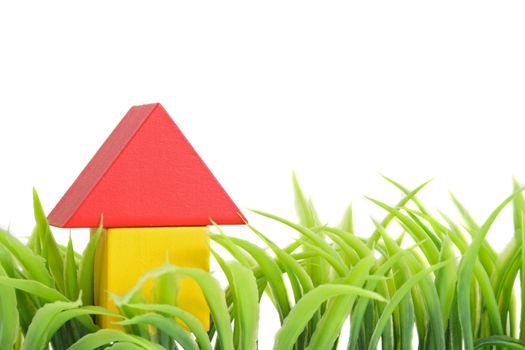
point(437, 285)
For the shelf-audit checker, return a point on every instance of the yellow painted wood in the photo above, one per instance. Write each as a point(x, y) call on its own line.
point(125, 254)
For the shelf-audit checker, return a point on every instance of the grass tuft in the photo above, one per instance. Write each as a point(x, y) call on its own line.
point(440, 285)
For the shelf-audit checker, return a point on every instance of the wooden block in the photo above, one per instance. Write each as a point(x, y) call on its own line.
point(125, 254)
point(145, 174)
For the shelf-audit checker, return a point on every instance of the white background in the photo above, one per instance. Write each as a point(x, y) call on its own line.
point(341, 92)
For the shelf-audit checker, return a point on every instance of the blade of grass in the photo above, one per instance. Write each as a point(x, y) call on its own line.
point(406, 307)
point(246, 299)
point(424, 295)
point(167, 326)
point(32, 264)
point(134, 296)
point(298, 318)
point(347, 223)
point(434, 236)
point(518, 211)
point(80, 314)
point(485, 286)
point(499, 341)
point(310, 235)
point(335, 262)
point(193, 323)
point(227, 243)
point(354, 242)
point(488, 255)
point(465, 272)
point(37, 338)
point(316, 267)
point(305, 212)
point(408, 197)
point(465, 214)
point(230, 295)
point(270, 269)
point(27, 307)
point(416, 232)
point(211, 289)
point(108, 336)
point(87, 267)
point(50, 250)
point(299, 279)
point(329, 327)
point(124, 346)
point(522, 278)
point(8, 263)
point(35, 288)
point(350, 257)
point(9, 325)
point(507, 269)
point(70, 273)
point(166, 291)
point(489, 297)
point(446, 279)
point(359, 311)
point(396, 299)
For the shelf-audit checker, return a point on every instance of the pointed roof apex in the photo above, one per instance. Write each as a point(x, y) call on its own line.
point(145, 174)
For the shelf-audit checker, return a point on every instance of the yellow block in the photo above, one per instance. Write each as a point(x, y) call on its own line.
point(125, 254)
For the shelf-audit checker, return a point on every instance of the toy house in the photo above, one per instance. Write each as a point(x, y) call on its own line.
point(156, 197)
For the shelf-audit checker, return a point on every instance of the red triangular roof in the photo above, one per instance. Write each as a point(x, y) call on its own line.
point(145, 174)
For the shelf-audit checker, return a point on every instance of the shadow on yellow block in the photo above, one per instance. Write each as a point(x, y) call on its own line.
point(125, 254)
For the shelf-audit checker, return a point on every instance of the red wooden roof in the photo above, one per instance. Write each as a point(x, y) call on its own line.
point(145, 174)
